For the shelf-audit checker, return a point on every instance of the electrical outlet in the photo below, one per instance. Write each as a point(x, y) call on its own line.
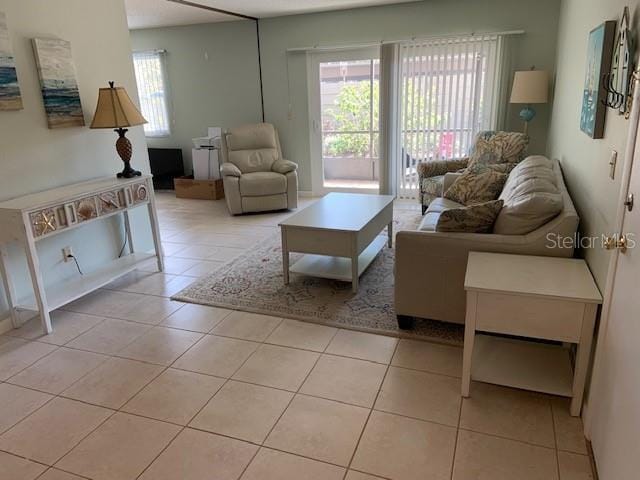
point(67, 253)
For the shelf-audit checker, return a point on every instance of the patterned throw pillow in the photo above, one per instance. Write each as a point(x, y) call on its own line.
point(476, 186)
point(478, 218)
point(499, 147)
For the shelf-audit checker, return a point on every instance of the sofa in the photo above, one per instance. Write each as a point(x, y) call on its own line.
point(507, 147)
point(256, 177)
point(430, 265)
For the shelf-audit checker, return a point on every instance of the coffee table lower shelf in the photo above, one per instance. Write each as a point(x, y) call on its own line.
point(337, 268)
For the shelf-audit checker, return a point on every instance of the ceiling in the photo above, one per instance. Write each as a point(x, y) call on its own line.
point(164, 13)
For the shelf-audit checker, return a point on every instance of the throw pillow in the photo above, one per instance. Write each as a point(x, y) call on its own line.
point(476, 186)
point(499, 147)
point(478, 218)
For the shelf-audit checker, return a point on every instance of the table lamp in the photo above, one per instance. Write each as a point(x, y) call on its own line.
point(116, 110)
point(529, 86)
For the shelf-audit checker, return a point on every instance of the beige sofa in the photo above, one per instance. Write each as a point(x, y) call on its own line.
point(430, 266)
point(256, 178)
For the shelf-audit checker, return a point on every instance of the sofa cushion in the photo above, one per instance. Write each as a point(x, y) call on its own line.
point(249, 161)
point(440, 204)
point(429, 222)
point(252, 137)
point(499, 147)
point(258, 184)
point(531, 197)
point(478, 218)
point(476, 186)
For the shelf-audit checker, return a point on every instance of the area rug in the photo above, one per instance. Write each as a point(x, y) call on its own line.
point(253, 282)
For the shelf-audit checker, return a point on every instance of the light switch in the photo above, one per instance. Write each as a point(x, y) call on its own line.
point(612, 164)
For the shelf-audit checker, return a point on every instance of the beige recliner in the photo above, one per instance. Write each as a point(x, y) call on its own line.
point(256, 177)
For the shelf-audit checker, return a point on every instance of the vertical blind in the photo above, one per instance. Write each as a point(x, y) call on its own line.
point(152, 89)
point(449, 90)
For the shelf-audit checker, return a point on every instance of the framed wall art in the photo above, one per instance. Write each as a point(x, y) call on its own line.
point(10, 97)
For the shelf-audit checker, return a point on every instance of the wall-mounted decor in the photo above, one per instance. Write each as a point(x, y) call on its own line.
point(10, 98)
point(599, 53)
point(58, 83)
point(618, 81)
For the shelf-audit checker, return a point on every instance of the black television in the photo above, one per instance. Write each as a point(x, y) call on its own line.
point(166, 164)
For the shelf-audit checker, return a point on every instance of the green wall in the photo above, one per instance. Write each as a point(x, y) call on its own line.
point(585, 161)
point(213, 78)
point(536, 47)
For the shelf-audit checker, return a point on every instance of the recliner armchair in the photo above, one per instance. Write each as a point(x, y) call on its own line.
point(256, 178)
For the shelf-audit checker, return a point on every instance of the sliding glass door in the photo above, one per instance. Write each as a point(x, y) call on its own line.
point(344, 108)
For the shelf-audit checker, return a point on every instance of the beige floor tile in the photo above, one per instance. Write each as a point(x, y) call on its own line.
point(176, 266)
point(202, 269)
point(319, 429)
point(198, 318)
point(66, 327)
point(113, 383)
point(160, 345)
point(161, 284)
point(120, 448)
point(50, 432)
point(309, 336)
point(209, 456)
point(58, 370)
point(174, 396)
point(103, 302)
point(247, 326)
point(353, 475)
point(429, 357)
point(278, 367)
point(218, 356)
point(405, 449)
point(484, 456)
point(510, 413)
point(109, 336)
point(150, 309)
point(366, 346)
point(421, 395)
point(223, 254)
point(345, 379)
point(16, 468)
point(574, 467)
point(17, 354)
point(16, 403)
point(273, 465)
point(569, 430)
point(197, 252)
point(55, 474)
point(243, 411)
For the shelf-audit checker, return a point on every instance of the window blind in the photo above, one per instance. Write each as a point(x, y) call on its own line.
point(449, 90)
point(152, 90)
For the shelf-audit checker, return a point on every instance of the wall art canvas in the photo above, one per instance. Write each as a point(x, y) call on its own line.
point(599, 53)
point(58, 83)
point(10, 98)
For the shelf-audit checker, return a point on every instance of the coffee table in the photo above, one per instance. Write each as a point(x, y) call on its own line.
point(340, 235)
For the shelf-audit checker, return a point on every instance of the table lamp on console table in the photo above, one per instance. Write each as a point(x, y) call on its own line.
point(116, 110)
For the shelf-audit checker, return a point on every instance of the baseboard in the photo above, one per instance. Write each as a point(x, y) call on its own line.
point(305, 193)
point(5, 325)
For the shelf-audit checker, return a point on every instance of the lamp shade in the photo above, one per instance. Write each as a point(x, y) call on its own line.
point(115, 109)
point(530, 86)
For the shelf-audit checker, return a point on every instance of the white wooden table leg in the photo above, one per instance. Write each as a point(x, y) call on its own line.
point(469, 339)
point(9, 289)
point(583, 355)
point(127, 228)
point(155, 229)
point(285, 256)
point(38, 283)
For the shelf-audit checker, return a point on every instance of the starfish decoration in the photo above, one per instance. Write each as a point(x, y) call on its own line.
point(46, 223)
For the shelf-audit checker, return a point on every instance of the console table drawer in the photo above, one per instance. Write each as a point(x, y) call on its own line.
point(529, 316)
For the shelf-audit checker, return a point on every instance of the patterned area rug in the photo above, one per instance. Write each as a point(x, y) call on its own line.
point(253, 282)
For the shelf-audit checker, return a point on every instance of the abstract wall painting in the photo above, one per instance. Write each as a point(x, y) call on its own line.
point(58, 83)
point(599, 53)
point(10, 98)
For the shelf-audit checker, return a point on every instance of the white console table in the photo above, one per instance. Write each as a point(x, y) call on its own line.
point(29, 219)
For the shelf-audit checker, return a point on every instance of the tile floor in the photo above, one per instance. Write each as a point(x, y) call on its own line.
point(132, 385)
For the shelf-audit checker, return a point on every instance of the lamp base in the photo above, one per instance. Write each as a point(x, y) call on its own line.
point(128, 172)
point(124, 149)
point(526, 115)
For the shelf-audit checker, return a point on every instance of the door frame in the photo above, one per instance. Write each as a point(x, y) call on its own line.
point(315, 115)
point(632, 151)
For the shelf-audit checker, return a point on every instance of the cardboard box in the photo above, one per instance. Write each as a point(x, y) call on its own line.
point(187, 187)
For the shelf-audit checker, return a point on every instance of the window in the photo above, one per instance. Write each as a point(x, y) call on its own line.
point(450, 89)
point(152, 89)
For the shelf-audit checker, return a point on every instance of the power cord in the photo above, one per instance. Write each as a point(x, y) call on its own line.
point(77, 264)
point(123, 245)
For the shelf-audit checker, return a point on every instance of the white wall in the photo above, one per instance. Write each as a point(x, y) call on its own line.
point(34, 158)
point(585, 161)
point(213, 78)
